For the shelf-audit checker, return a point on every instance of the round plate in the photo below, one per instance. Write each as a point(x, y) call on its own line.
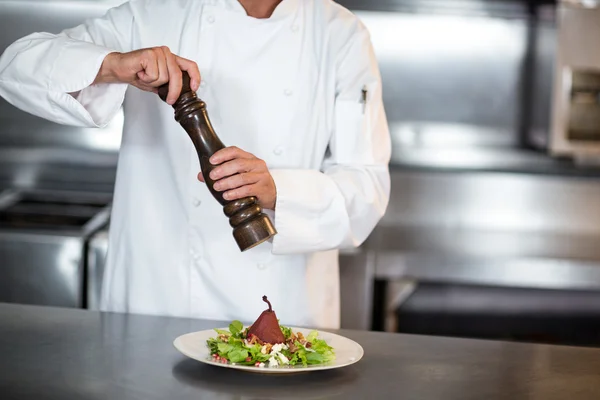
point(347, 352)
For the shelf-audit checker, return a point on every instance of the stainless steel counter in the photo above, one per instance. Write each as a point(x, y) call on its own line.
point(74, 354)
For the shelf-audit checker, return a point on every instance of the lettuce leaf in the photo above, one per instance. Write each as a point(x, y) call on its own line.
point(299, 355)
point(224, 348)
point(237, 354)
point(235, 328)
point(322, 353)
point(256, 355)
point(287, 332)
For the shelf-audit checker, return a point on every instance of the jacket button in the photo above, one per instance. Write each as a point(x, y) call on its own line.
point(261, 266)
point(210, 19)
point(287, 92)
point(196, 202)
point(278, 150)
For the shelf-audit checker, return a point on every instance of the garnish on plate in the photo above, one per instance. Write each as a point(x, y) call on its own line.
point(266, 343)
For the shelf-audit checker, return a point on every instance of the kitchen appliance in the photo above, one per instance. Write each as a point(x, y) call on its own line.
point(576, 103)
point(43, 242)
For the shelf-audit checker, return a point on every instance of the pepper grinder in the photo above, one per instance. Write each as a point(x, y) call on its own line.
point(251, 226)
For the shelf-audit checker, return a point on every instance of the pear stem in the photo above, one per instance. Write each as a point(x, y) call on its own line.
point(268, 302)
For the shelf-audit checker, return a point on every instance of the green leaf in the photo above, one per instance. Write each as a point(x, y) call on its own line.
point(212, 344)
point(222, 332)
point(294, 358)
point(302, 356)
point(237, 355)
point(321, 353)
point(312, 336)
point(235, 327)
point(224, 348)
point(287, 332)
point(256, 355)
point(313, 357)
point(321, 346)
point(235, 339)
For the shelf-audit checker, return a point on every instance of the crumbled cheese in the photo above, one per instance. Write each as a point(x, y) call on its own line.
point(263, 349)
point(261, 365)
point(278, 347)
point(276, 354)
point(283, 358)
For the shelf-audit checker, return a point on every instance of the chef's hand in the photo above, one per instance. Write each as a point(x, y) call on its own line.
point(147, 69)
point(241, 174)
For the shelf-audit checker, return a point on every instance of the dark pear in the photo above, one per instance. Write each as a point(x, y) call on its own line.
point(266, 327)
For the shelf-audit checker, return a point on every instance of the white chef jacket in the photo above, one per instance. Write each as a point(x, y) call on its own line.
point(288, 89)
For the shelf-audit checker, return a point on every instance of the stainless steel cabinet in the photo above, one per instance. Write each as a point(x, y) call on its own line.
point(43, 242)
point(41, 269)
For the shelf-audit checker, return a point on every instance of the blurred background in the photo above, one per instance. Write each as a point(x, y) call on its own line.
point(493, 227)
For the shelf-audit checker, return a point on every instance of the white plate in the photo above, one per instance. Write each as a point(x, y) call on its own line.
point(347, 352)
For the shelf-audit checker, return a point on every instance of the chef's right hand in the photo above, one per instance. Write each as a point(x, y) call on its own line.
point(147, 69)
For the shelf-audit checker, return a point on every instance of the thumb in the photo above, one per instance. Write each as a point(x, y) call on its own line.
point(200, 177)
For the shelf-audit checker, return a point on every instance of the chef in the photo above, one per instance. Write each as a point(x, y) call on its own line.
point(291, 86)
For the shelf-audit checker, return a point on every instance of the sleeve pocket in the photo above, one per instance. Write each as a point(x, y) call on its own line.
point(352, 142)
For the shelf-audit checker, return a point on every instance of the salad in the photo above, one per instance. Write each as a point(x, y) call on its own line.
point(237, 346)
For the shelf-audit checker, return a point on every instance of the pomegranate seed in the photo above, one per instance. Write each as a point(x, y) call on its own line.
point(248, 359)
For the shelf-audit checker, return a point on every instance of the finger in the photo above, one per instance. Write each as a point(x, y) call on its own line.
point(144, 86)
point(236, 181)
point(192, 69)
point(163, 70)
point(150, 70)
point(241, 192)
point(229, 153)
point(174, 76)
point(237, 166)
point(200, 177)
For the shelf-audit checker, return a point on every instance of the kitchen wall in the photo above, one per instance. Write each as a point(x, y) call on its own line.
point(35, 153)
point(463, 74)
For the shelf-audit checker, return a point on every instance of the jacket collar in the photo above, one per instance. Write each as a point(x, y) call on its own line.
point(283, 9)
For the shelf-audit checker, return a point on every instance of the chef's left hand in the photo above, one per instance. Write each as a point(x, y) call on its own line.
point(241, 174)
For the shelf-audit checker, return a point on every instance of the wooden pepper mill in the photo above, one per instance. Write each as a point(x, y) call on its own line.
point(250, 225)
